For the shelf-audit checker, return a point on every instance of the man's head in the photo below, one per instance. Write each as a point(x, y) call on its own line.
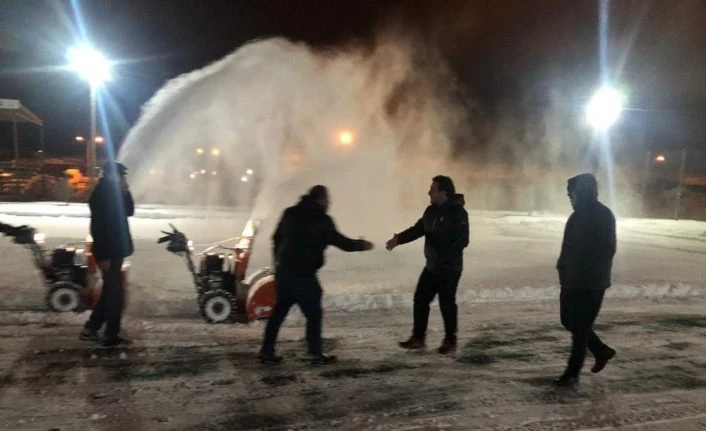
point(442, 189)
point(319, 194)
point(114, 170)
point(582, 188)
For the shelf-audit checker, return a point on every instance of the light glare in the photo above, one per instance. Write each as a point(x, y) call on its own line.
point(604, 108)
point(89, 64)
point(345, 137)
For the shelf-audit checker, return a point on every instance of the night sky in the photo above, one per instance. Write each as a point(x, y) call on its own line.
point(503, 52)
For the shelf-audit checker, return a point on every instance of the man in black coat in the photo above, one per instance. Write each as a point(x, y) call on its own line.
point(111, 204)
point(444, 226)
point(584, 269)
point(299, 241)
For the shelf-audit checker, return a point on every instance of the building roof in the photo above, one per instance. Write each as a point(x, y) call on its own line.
point(12, 110)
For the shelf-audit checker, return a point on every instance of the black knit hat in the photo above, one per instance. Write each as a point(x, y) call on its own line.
point(114, 168)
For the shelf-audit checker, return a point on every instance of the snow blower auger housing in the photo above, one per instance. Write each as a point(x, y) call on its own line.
point(224, 293)
point(69, 271)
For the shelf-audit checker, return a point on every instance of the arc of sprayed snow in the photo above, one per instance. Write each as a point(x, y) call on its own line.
point(175, 87)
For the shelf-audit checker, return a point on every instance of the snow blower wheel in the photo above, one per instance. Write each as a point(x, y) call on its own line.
point(63, 297)
point(218, 306)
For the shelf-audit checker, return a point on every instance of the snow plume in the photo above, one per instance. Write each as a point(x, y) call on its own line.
point(279, 109)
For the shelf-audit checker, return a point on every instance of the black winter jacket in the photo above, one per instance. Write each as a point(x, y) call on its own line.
point(589, 244)
point(302, 235)
point(110, 208)
point(445, 231)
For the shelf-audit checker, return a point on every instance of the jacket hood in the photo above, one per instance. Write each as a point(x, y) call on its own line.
point(585, 187)
point(456, 200)
point(308, 204)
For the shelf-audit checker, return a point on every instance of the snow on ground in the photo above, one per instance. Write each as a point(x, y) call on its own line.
point(187, 375)
point(511, 257)
point(184, 374)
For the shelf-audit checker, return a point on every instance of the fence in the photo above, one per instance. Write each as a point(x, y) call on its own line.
point(15, 178)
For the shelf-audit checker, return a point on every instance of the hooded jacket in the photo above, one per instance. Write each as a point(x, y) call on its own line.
point(589, 244)
point(302, 235)
point(110, 208)
point(445, 231)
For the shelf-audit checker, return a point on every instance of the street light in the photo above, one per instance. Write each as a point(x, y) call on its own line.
point(99, 139)
point(249, 171)
point(91, 65)
point(604, 108)
point(215, 152)
point(660, 159)
point(345, 138)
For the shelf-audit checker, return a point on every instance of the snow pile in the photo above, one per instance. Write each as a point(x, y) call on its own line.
point(511, 258)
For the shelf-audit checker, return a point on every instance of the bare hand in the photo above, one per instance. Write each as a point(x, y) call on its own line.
point(392, 243)
point(104, 265)
point(367, 245)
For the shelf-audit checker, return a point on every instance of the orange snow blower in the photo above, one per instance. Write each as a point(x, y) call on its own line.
point(224, 293)
point(69, 271)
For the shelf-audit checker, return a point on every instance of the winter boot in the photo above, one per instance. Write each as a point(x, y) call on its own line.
point(413, 343)
point(447, 348)
point(603, 359)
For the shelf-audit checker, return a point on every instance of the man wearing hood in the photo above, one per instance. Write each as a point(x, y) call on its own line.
point(111, 204)
point(302, 235)
point(584, 269)
point(444, 226)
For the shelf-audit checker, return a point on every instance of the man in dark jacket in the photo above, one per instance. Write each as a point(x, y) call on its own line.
point(585, 273)
point(444, 226)
point(302, 235)
point(111, 204)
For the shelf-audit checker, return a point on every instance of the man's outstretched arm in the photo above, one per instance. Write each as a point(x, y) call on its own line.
point(408, 235)
point(341, 241)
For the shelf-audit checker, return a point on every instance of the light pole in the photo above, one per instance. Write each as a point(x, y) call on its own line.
point(602, 112)
point(94, 68)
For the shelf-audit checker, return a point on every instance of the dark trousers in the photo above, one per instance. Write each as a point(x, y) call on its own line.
point(579, 309)
point(430, 283)
point(304, 291)
point(109, 308)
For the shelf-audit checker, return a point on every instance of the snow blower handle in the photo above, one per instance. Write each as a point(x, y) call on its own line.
point(177, 241)
point(168, 236)
point(21, 234)
point(165, 238)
